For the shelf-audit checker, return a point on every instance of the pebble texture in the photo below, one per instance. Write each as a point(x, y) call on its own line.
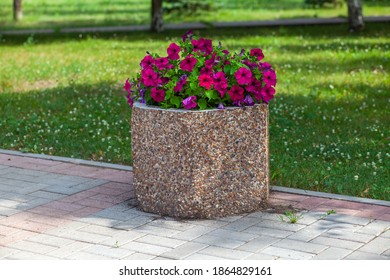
point(200, 164)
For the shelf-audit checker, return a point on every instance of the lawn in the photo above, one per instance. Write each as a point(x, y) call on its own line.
point(61, 95)
point(72, 13)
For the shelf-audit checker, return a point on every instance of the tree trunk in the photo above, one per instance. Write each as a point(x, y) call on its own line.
point(355, 15)
point(18, 14)
point(157, 16)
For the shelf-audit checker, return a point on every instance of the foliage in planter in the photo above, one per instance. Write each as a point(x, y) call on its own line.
point(197, 75)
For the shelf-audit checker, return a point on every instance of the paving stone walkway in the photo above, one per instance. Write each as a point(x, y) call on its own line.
point(53, 209)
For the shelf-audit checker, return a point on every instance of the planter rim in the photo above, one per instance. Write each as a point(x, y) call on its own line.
point(151, 107)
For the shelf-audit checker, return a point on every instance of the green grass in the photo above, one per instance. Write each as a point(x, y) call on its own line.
point(71, 13)
point(328, 123)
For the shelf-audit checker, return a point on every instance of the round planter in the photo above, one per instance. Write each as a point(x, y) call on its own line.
point(200, 164)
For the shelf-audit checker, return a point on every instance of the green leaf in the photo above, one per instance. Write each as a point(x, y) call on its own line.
point(175, 100)
point(211, 94)
point(202, 103)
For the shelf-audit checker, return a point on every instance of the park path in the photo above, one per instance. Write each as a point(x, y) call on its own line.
point(195, 25)
point(61, 208)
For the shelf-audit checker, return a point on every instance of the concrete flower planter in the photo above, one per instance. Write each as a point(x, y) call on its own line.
point(200, 164)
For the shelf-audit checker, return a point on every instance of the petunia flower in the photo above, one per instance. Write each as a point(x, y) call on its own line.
point(208, 70)
point(248, 100)
point(264, 66)
point(180, 83)
point(269, 77)
point(205, 81)
point(162, 63)
point(188, 63)
point(202, 45)
point(267, 93)
point(150, 78)
point(257, 53)
point(236, 93)
point(243, 76)
point(220, 83)
point(127, 86)
point(220, 106)
point(173, 51)
point(186, 35)
point(130, 100)
point(189, 102)
point(147, 62)
point(158, 95)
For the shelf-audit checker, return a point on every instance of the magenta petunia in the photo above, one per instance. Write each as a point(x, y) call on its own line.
point(127, 86)
point(267, 93)
point(130, 100)
point(180, 83)
point(202, 45)
point(254, 86)
point(220, 83)
point(162, 63)
point(236, 93)
point(158, 95)
point(257, 53)
point(173, 51)
point(205, 81)
point(188, 63)
point(150, 78)
point(187, 35)
point(243, 76)
point(269, 77)
point(147, 62)
point(189, 102)
point(208, 70)
point(264, 66)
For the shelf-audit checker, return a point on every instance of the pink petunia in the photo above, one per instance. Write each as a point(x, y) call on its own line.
point(188, 63)
point(236, 93)
point(150, 78)
point(189, 102)
point(130, 100)
point(208, 70)
point(147, 62)
point(127, 86)
point(243, 76)
point(254, 86)
point(173, 51)
point(205, 81)
point(220, 83)
point(158, 95)
point(257, 53)
point(202, 45)
point(269, 77)
point(162, 63)
point(267, 93)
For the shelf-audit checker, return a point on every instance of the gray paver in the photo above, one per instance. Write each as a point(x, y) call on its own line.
point(164, 232)
point(375, 227)
point(139, 256)
point(145, 248)
point(102, 230)
point(50, 240)
point(386, 234)
point(32, 247)
point(225, 253)
point(341, 218)
point(220, 241)
point(230, 234)
point(300, 246)
point(110, 252)
point(47, 195)
point(5, 211)
point(279, 225)
point(332, 253)
point(5, 252)
point(84, 236)
point(192, 233)
point(134, 222)
point(101, 221)
point(339, 243)
point(29, 256)
point(330, 224)
point(359, 255)
point(376, 246)
point(260, 256)
point(259, 243)
point(242, 224)
point(69, 249)
point(308, 233)
point(287, 253)
point(268, 231)
point(114, 214)
point(184, 250)
point(159, 240)
point(202, 257)
point(172, 224)
point(122, 238)
point(347, 235)
point(87, 256)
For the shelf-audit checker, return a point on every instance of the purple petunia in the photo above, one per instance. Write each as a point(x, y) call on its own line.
point(189, 102)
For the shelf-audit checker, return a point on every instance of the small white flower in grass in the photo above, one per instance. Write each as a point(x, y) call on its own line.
point(356, 177)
